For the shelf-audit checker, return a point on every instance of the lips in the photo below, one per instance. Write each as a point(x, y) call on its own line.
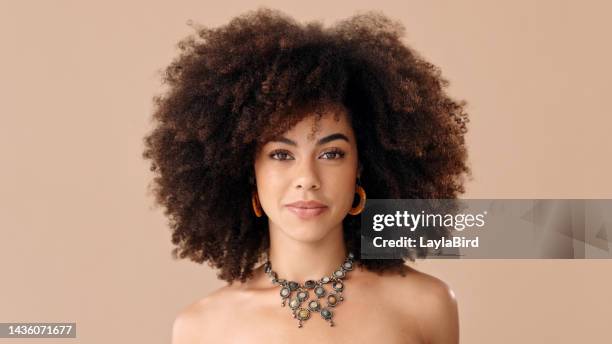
point(307, 209)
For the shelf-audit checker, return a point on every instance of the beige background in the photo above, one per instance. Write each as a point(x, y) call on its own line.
point(81, 242)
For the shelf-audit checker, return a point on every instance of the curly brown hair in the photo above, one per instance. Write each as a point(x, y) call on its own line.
point(235, 87)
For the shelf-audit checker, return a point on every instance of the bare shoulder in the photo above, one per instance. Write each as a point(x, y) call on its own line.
point(198, 322)
point(428, 300)
point(421, 300)
point(426, 287)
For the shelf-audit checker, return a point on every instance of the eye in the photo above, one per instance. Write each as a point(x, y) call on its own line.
point(333, 154)
point(280, 155)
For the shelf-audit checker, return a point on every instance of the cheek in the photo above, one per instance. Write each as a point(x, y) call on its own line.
point(270, 182)
point(341, 186)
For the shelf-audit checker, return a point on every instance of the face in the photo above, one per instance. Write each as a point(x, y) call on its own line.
point(317, 170)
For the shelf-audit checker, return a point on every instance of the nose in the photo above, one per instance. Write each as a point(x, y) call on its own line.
point(307, 176)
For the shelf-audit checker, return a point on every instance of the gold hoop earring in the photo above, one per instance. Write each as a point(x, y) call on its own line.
point(362, 201)
point(256, 206)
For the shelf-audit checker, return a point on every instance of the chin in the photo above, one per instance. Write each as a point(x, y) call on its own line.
point(307, 232)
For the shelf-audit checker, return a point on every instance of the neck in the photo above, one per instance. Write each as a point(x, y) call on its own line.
point(300, 261)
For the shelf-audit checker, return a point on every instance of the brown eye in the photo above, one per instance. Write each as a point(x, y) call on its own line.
point(333, 154)
point(280, 155)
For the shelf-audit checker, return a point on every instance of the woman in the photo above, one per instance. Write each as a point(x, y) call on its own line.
point(268, 142)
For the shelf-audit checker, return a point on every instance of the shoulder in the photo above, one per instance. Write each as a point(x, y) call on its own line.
point(200, 317)
point(427, 300)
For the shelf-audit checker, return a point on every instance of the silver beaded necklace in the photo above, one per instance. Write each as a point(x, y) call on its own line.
point(332, 299)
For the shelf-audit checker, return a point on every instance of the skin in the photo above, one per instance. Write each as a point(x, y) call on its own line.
point(387, 308)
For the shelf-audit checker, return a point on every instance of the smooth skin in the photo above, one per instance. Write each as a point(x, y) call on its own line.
point(378, 308)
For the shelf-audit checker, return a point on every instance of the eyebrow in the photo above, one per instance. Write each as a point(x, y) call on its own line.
point(322, 141)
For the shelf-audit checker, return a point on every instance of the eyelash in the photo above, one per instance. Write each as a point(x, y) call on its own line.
point(338, 153)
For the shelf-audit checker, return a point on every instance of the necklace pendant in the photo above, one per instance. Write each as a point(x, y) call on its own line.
point(327, 315)
point(294, 303)
point(320, 291)
point(339, 274)
point(338, 286)
point(302, 295)
point(302, 314)
point(314, 306)
point(310, 284)
point(301, 307)
point(293, 285)
point(333, 299)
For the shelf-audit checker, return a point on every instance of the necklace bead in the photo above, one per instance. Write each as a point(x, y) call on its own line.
point(293, 285)
point(295, 303)
point(310, 284)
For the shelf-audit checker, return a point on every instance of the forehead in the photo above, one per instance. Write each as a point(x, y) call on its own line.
point(314, 125)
